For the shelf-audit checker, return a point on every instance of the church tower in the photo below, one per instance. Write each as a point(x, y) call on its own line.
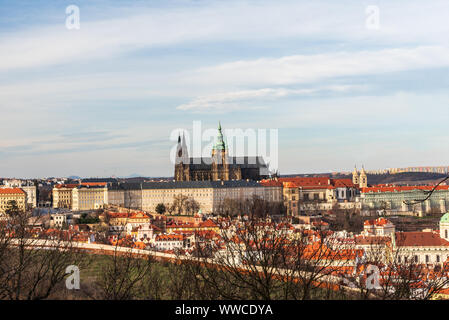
point(182, 160)
point(363, 179)
point(220, 166)
point(355, 176)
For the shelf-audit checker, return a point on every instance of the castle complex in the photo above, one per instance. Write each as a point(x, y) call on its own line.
point(220, 166)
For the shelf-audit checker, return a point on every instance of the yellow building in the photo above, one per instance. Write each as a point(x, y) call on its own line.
point(62, 195)
point(12, 194)
point(208, 194)
point(86, 197)
point(123, 218)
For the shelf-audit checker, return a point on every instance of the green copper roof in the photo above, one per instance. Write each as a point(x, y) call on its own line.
point(445, 218)
point(220, 144)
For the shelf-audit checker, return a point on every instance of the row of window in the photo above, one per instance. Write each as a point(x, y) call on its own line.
point(416, 259)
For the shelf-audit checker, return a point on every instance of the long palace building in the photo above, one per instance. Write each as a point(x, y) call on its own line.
point(209, 195)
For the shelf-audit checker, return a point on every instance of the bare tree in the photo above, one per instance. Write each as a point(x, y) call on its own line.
point(33, 262)
point(389, 272)
point(122, 276)
point(259, 259)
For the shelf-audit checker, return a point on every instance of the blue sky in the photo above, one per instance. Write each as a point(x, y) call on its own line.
point(105, 99)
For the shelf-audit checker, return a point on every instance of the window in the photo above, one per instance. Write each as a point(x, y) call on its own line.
point(416, 258)
point(438, 258)
point(427, 258)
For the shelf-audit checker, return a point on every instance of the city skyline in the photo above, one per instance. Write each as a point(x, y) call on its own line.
point(104, 99)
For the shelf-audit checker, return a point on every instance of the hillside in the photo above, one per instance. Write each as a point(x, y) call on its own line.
point(404, 178)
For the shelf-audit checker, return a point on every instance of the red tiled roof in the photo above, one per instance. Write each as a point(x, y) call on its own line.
point(11, 191)
point(309, 181)
point(420, 239)
point(170, 237)
point(371, 240)
point(208, 224)
point(129, 215)
point(93, 183)
point(70, 186)
point(174, 224)
point(271, 183)
point(341, 183)
point(316, 183)
point(377, 222)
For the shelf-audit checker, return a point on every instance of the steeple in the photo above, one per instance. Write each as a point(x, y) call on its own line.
point(363, 170)
point(220, 144)
point(220, 167)
point(355, 176)
point(363, 178)
point(185, 153)
point(178, 150)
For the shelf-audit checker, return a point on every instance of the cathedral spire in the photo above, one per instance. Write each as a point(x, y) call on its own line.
point(220, 144)
point(178, 150)
point(185, 154)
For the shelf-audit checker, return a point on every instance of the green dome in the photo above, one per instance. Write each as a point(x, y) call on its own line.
point(445, 218)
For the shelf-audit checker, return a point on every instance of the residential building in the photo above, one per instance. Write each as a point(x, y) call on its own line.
point(378, 227)
point(28, 187)
point(303, 194)
point(169, 242)
point(62, 195)
point(83, 196)
point(12, 194)
point(58, 220)
point(89, 197)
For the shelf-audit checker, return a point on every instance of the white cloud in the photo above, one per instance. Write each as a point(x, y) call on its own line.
point(316, 67)
point(233, 100)
point(216, 21)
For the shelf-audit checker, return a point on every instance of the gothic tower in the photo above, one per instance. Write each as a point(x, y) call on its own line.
point(182, 160)
point(220, 166)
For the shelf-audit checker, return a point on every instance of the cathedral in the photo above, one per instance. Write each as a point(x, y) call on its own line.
point(219, 166)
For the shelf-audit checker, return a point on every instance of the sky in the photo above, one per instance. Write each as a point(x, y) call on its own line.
point(344, 83)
